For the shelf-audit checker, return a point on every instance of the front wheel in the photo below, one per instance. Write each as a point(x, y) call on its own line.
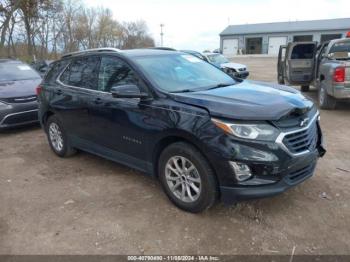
point(325, 100)
point(305, 88)
point(187, 178)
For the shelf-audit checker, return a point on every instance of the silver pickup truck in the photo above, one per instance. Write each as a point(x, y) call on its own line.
point(327, 67)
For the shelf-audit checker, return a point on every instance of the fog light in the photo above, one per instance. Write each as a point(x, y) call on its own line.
point(242, 171)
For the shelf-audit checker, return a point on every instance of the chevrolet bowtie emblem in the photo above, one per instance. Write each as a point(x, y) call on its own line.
point(304, 122)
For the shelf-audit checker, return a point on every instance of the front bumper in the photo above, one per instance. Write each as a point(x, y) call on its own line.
point(301, 169)
point(18, 114)
point(273, 166)
point(242, 75)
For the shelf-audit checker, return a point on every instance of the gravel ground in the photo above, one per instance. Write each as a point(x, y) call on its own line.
point(88, 205)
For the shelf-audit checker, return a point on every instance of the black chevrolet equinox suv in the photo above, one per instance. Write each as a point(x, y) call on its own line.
point(203, 134)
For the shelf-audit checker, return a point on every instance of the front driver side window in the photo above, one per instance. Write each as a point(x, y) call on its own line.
point(115, 72)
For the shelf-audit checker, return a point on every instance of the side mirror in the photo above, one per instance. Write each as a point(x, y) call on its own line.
point(128, 91)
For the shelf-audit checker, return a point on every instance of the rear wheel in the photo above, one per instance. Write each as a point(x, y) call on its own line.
point(281, 80)
point(58, 138)
point(325, 100)
point(305, 88)
point(187, 178)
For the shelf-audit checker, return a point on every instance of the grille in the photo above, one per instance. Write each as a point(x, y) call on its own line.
point(23, 99)
point(299, 175)
point(21, 118)
point(301, 141)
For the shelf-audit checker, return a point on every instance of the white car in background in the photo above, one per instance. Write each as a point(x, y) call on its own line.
point(220, 61)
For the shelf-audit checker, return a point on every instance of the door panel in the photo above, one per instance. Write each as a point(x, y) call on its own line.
point(68, 105)
point(281, 64)
point(118, 122)
point(78, 83)
point(300, 63)
point(118, 125)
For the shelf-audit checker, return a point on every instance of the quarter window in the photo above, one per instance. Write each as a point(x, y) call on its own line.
point(115, 72)
point(82, 72)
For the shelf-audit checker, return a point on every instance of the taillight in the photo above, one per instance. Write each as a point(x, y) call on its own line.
point(38, 90)
point(339, 74)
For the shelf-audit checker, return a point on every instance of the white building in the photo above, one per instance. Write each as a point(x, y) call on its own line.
point(268, 37)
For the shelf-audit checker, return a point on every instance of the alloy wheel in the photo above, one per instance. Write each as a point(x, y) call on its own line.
point(56, 138)
point(183, 179)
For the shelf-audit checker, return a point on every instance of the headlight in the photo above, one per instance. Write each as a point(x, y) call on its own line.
point(229, 70)
point(264, 132)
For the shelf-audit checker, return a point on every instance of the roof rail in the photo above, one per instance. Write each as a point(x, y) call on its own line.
point(92, 50)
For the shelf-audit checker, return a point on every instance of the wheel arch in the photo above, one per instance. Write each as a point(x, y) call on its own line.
point(46, 116)
point(174, 138)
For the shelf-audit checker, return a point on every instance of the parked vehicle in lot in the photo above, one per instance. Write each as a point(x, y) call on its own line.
point(163, 48)
point(18, 101)
point(203, 134)
point(234, 69)
point(326, 67)
point(218, 60)
point(196, 53)
point(41, 66)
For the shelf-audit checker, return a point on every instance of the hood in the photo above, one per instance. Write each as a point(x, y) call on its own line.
point(248, 100)
point(232, 65)
point(21, 88)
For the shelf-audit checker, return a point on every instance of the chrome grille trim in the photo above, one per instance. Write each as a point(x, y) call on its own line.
point(281, 136)
point(17, 113)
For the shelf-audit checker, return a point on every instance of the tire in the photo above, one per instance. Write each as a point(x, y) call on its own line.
point(57, 138)
point(305, 88)
point(325, 100)
point(197, 175)
point(280, 80)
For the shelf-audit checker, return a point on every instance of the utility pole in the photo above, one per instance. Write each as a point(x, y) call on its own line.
point(161, 34)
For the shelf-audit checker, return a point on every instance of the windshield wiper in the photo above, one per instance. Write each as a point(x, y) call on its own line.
point(201, 88)
point(183, 91)
point(219, 85)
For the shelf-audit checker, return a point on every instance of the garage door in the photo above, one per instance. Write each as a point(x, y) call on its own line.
point(275, 43)
point(230, 47)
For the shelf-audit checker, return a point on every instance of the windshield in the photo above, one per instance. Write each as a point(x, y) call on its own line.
point(340, 50)
point(16, 71)
point(218, 59)
point(182, 73)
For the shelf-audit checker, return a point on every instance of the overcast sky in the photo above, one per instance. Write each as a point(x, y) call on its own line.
point(196, 24)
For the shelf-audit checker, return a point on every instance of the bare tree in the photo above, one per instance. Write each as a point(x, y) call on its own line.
point(7, 9)
point(47, 28)
point(136, 35)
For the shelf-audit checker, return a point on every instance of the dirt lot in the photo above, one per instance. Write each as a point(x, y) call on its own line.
point(88, 205)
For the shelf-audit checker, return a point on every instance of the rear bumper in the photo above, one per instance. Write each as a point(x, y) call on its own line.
point(18, 114)
point(341, 92)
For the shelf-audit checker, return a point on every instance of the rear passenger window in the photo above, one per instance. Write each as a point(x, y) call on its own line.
point(54, 70)
point(115, 72)
point(82, 72)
